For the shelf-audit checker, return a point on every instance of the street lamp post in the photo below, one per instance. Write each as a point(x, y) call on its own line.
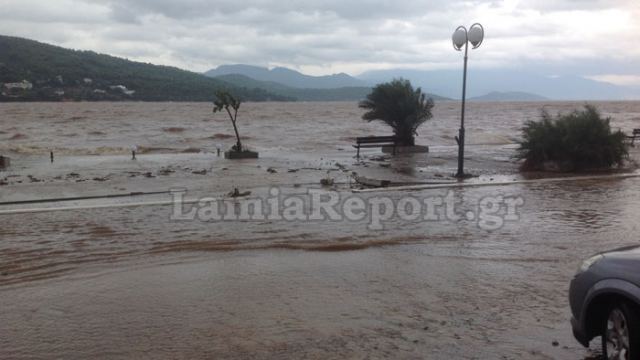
point(461, 38)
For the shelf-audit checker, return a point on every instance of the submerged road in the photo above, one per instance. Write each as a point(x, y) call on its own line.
point(123, 282)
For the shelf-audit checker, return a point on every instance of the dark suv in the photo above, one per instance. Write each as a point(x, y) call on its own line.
point(605, 301)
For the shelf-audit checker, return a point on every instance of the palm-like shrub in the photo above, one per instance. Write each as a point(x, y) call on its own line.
point(397, 104)
point(575, 141)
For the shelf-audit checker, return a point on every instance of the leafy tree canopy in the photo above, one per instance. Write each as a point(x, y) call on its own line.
point(400, 106)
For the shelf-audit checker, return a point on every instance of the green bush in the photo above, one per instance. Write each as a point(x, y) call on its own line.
point(397, 104)
point(576, 141)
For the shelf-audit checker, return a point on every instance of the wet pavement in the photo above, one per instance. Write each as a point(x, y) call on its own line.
point(126, 282)
point(119, 278)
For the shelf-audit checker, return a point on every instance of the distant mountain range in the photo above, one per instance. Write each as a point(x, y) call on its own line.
point(297, 94)
point(33, 71)
point(482, 83)
point(295, 85)
point(288, 77)
point(508, 96)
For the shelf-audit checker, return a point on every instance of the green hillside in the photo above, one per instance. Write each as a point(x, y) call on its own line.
point(33, 71)
point(338, 94)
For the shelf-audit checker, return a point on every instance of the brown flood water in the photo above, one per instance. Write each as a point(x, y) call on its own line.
point(126, 282)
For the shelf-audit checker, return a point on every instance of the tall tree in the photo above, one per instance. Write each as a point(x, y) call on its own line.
point(400, 106)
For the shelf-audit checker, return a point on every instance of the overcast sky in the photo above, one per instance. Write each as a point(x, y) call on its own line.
point(594, 38)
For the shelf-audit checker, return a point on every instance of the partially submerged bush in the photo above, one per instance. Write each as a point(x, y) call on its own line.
point(576, 141)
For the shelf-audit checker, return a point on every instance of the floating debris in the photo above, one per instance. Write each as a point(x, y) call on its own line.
point(33, 179)
point(372, 182)
point(236, 193)
point(165, 171)
point(378, 158)
point(327, 181)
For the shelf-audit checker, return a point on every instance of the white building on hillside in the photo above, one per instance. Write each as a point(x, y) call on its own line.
point(23, 85)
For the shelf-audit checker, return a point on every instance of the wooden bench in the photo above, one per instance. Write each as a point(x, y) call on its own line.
point(4, 162)
point(635, 135)
point(375, 141)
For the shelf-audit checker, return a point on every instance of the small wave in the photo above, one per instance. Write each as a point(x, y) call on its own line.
point(18, 136)
point(156, 150)
point(333, 245)
point(490, 139)
point(104, 150)
point(48, 266)
point(348, 138)
point(49, 116)
point(173, 129)
point(220, 136)
point(35, 150)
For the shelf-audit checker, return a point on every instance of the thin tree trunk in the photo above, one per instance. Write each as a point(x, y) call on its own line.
point(235, 128)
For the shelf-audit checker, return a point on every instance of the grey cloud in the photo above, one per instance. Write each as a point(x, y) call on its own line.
point(567, 5)
point(198, 34)
point(364, 9)
point(64, 11)
point(123, 14)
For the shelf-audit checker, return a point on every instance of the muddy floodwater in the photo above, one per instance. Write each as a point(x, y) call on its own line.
point(121, 277)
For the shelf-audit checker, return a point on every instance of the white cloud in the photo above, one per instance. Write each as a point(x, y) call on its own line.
point(618, 79)
point(336, 35)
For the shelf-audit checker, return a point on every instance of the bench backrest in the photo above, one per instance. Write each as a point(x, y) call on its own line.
point(376, 139)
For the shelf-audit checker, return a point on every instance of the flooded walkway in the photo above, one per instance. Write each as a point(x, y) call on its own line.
point(122, 278)
point(127, 283)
